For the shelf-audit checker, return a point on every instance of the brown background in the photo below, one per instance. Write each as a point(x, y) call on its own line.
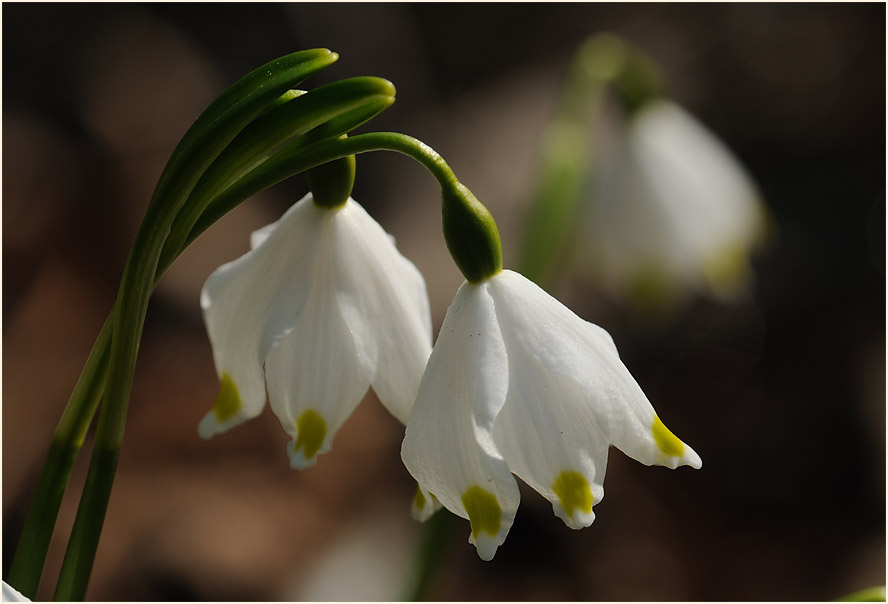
point(782, 393)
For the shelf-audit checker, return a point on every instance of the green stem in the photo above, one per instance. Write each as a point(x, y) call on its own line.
point(412, 147)
point(604, 63)
point(566, 159)
point(432, 550)
point(469, 230)
point(298, 158)
point(29, 558)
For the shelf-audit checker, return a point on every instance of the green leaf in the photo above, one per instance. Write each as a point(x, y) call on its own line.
point(351, 98)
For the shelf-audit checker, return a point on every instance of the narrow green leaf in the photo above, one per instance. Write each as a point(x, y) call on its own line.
point(203, 142)
point(323, 113)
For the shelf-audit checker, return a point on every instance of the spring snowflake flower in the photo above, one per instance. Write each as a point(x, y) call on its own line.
point(519, 384)
point(675, 211)
point(321, 308)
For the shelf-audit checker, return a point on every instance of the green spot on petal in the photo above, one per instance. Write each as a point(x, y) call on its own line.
point(485, 513)
point(573, 492)
point(666, 440)
point(312, 430)
point(419, 499)
point(228, 402)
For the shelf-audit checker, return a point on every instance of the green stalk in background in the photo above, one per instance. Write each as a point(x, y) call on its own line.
point(603, 64)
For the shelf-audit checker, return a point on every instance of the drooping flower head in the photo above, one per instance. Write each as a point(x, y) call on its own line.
point(322, 307)
point(635, 194)
point(673, 210)
point(518, 384)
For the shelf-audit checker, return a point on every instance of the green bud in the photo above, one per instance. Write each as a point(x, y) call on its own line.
point(470, 234)
point(331, 183)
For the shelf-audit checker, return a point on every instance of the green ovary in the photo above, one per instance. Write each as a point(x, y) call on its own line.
point(666, 440)
point(573, 492)
point(485, 513)
point(228, 402)
point(312, 430)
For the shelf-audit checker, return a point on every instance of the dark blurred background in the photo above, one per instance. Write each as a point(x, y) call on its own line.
point(782, 393)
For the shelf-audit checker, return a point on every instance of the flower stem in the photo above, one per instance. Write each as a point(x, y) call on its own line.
point(298, 158)
point(30, 556)
point(469, 229)
point(432, 549)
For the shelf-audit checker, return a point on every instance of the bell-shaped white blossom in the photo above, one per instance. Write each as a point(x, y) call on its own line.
point(519, 384)
point(674, 211)
point(322, 307)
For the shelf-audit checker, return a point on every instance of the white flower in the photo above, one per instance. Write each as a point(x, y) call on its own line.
point(11, 594)
point(518, 384)
point(674, 210)
point(321, 308)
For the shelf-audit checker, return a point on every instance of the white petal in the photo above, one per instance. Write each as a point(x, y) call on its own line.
point(566, 345)
point(448, 447)
point(705, 195)
point(549, 436)
point(674, 205)
point(259, 236)
point(315, 379)
point(250, 303)
point(11, 594)
point(424, 504)
point(383, 300)
point(633, 233)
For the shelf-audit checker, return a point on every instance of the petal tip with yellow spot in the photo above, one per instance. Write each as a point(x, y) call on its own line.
point(226, 407)
point(208, 426)
point(675, 453)
point(311, 432)
point(228, 402)
point(575, 499)
point(424, 505)
point(486, 519)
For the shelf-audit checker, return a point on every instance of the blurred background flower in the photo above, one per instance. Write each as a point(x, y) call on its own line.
point(781, 392)
point(635, 195)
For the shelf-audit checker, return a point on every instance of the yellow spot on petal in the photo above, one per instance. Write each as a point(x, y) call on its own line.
point(419, 499)
point(485, 513)
point(312, 430)
point(573, 492)
point(727, 270)
point(666, 440)
point(228, 402)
